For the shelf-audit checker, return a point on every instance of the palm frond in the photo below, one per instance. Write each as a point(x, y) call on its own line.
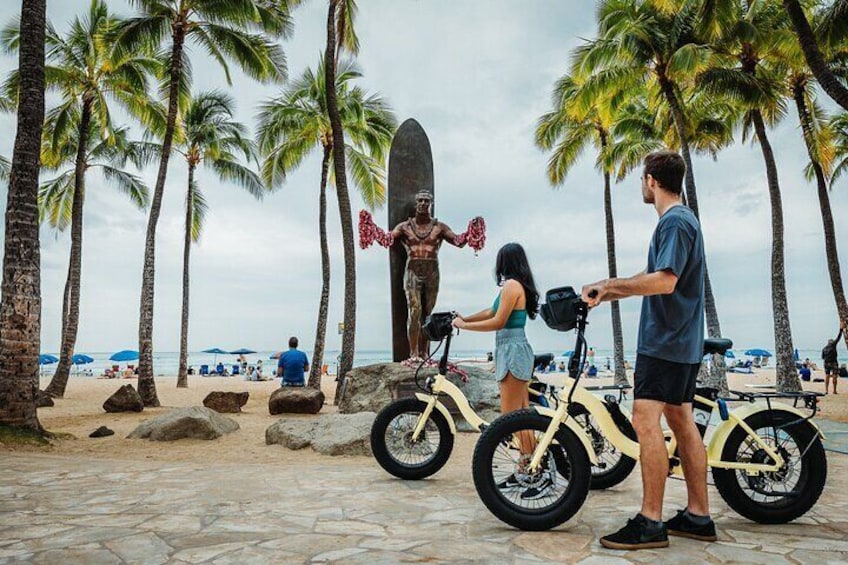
point(368, 175)
point(230, 170)
point(55, 201)
point(199, 210)
point(131, 185)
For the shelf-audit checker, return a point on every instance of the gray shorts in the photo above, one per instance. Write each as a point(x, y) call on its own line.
point(513, 354)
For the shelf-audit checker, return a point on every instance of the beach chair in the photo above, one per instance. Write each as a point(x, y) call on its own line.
point(204, 370)
point(235, 370)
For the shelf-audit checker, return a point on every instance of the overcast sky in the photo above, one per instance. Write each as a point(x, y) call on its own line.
point(476, 79)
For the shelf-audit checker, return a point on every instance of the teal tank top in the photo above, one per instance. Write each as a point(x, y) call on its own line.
point(517, 318)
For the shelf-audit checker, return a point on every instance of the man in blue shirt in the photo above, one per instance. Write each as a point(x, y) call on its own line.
point(670, 346)
point(293, 365)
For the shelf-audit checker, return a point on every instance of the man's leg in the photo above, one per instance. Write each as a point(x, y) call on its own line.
point(413, 301)
point(693, 456)
point(653, 455)
point(429, 294)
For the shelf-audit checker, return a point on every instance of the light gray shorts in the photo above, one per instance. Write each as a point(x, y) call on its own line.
point(513, 354)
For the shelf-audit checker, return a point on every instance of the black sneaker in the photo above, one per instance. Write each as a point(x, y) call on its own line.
point(637, 534)
point(539, 490)
point(508, 485)
point(683, 526)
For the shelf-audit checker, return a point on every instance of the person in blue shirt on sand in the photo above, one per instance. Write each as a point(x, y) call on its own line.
point(292, 366)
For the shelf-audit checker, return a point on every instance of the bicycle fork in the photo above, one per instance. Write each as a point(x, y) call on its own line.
point(560, 416)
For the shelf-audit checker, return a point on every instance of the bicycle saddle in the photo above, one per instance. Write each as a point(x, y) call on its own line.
point(718, 346)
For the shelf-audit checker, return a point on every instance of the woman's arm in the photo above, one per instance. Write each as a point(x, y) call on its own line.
point(510, 294)
point(486, 314)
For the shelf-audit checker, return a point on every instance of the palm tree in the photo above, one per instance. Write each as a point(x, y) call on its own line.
point(566, 131)
point(819, 138)
point(839, 125)
point(341, 36)
point(744, 72)
point(20, 304)
point(5, 168)
point(226, 30)
point(640, 43)
point(89, 76)
point(209, 136)
point(835, 21)
point(291, 126)
point(60, 207)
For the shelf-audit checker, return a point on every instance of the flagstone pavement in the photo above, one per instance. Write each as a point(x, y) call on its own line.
point(57, 509)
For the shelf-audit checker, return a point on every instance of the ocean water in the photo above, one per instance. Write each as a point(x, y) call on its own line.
point(167, 363)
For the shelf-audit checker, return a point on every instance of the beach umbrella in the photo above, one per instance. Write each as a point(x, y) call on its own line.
point(729, 354)
point(796, 355)
point(242, 351)
point(125, 355)
point(215, 351)
point(46, 359)
point(568, 354)
point(81, 359)
point(758, 353)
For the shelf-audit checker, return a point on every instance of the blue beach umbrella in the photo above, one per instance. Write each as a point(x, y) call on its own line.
point(46, 359)
point(215, 351)
point(242, 351)
point(729, 354)
point(125, 355)
point(81, 359)
point(758, 353)
point(568, 354)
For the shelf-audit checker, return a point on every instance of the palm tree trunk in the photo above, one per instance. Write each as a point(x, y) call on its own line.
point(323, 306)
point(20, 305)
point(71, 308)
point(349, 334)
point(718, 374)
point(615, 311)
point(146, 383)
point(787, 376)
point(182, 373)
point(813, 55)
point(831, 253)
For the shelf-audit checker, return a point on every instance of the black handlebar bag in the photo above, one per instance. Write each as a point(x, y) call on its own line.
point(560, 308)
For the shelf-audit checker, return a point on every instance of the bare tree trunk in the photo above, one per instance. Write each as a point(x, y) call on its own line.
point(349, 334)
point(615, 311)
point(20, 305)
point(786, 376)
point(182, 374)
point(813, 55)
point(323, 306)
point(718, 374)
point(146, 383)
point(833, 268)
point(71, 308)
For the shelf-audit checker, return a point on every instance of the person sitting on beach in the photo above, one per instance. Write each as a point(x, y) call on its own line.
point(561, 367)
point(843, 371)
point(219, 369)
point(831, 362)
point(805, 373)
point(190, 370)
point(292, 366)
point(108, 373)
point(128, 372)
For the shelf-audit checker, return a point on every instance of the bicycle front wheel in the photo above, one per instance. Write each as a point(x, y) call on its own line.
point(530, 500)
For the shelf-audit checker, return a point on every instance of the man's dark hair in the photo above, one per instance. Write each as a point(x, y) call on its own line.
point(293, 342)
point(667, 168)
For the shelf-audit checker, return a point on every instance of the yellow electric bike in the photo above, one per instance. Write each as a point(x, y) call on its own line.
point(767, 458)
point(412, 438)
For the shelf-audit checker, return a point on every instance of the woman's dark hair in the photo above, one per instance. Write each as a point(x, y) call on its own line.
point(512, 264)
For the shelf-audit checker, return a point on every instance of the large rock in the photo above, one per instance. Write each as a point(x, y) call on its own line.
point(125, 399)
point(372, 387)
point(230, 402)
point(295, 400)
point(192, 422)
point(328, 434)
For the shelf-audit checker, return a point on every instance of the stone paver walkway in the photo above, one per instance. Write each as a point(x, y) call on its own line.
point(74, 510)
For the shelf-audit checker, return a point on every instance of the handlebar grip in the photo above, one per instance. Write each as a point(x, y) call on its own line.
point(593, 293)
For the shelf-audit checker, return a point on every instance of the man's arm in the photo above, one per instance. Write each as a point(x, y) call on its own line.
point(397, 232)
point(643, 284)
point(451, 237)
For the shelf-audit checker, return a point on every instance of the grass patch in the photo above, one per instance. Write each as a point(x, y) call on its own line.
point(11, 436)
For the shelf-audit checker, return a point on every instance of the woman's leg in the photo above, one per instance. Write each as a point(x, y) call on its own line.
point(514, 397)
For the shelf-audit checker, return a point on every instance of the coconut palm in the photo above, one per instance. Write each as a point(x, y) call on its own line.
point(641, 43)
point(747, 54)
point(90, 78)
point(209, 136)
point(341, 36)
point(227, 30)
point(5, 168)
point(566, 131)
point(60, 207)
point(834, 22)
point(20, 299)
point(839, 125)
point(294, 124)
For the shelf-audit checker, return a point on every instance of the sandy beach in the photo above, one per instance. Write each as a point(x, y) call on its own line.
point(81, 412)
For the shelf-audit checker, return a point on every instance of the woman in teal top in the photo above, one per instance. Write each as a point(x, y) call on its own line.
point(518, 299)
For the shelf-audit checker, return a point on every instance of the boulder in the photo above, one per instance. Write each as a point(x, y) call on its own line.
point(230, 402)
point(125, 399)
point(295, 400)
point(102, 431)
point(43, 400)
point(328, 434)
point(193, 422)
point(372, 387)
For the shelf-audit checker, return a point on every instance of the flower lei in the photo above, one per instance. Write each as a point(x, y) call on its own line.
point(370, 232)
point(432, 363)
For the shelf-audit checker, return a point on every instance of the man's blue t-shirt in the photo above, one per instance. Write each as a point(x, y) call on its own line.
point(293, 363)
point(671, 326)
